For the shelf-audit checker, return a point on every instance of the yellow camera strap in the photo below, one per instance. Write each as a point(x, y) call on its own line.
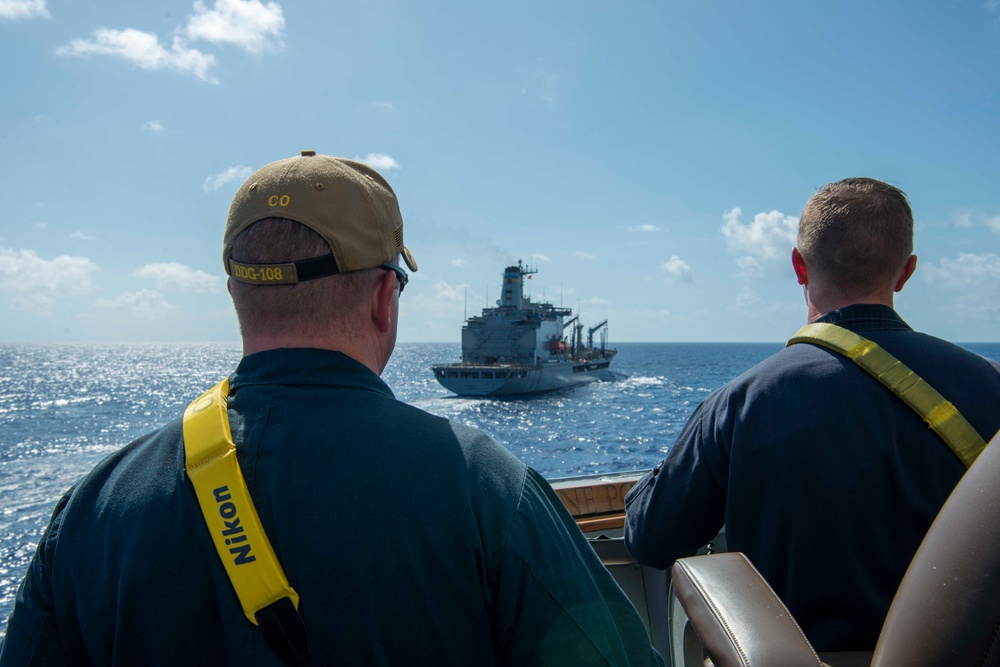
point(268, 600)
point(942, 417)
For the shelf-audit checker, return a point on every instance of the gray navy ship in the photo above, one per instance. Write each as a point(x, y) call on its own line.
point(523, 347)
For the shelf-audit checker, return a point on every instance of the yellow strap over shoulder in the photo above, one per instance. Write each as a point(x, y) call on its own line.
point(210, 461)
point(943, 418)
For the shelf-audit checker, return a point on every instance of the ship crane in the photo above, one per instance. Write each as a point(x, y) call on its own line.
point(577, 339)
point(604, 335)
point(574, 344)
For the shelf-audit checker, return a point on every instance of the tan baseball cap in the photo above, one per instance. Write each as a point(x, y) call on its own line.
point(346, 202)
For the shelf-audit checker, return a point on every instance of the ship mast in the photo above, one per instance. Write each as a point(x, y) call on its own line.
point(512, 294)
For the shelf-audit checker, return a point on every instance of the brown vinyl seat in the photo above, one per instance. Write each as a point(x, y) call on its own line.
point(946, 611)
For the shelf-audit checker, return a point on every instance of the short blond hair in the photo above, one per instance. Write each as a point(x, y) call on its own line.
point(857, 233)
point(306, 308)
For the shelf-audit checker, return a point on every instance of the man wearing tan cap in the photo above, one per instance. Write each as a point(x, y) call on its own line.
point(298, 513)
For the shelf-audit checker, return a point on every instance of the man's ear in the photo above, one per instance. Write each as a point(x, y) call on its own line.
point(799, 265)
point(904, 275)
point(382, 297)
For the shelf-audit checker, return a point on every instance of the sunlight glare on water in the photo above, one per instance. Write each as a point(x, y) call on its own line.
point(64, 408)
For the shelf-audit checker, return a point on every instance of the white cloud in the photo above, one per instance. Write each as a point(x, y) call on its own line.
point(249, 24)
point(173, 275)
point(539, 257)
point(459, 263)
point(747, 300)
point(23, 271)
point(770, 236)
point(144, 50)
point(153, 126)
point(545, 86)
point(968, 270)
point(233, 174)
point(144, 304)
point(38, 303)
point(750, 268)
point(378, 161)
point(962, 219)
point(41, 225)
point(15, 10)
point(580, 254)
point(643, 228)
point(437, 311)
point(453, 293)
point(677, 268)
point(82, 236)
point(383, 105)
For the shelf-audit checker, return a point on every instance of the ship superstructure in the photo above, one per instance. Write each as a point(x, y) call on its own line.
point(523, 347)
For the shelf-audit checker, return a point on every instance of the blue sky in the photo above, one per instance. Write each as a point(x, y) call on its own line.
point(650, 158)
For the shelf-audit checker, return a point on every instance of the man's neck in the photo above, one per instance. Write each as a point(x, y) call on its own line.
point(362, 350)
point(819, 308)
point(823, 297)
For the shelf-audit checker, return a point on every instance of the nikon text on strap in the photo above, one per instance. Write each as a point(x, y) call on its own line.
point(942, 417)
point(267, 599)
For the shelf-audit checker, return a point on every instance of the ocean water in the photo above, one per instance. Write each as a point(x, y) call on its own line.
point(65, 407)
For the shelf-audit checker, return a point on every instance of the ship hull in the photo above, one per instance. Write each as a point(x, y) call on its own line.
point(512, 380)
